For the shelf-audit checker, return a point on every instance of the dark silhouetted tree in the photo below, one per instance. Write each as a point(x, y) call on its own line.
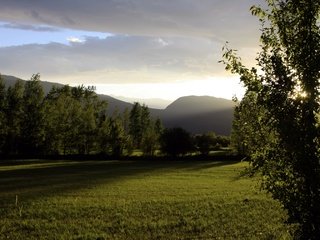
point(287, 93)
point(136, 125)
point(3, 120)
point(176, 142)
point(205, 143)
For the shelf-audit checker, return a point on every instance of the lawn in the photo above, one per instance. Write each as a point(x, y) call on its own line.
point(134, 200)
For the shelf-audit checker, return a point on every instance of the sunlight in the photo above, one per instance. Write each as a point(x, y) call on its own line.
point(298, 92)
point(217, 87)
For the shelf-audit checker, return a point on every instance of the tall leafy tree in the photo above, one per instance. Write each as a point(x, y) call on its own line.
point(117, 136)
point(73, 118)
point(151, 137)
point(14, 113)
point(63, 121)
point(103, 135)
point(87, 98)
point(32, 127)
point(251, 132)
point(139, 123)
point(3, 125)
point(287, 91)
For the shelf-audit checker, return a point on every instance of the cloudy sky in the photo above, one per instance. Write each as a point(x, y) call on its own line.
point(133, 48)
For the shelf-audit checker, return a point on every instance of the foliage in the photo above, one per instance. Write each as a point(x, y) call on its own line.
point(287, 101)
point(150, 140)
point(70, 120)
point(63, 116)
point(73, 121)
point(32, 123)
point(205, 143)
point(3, 120)
point(144, 131)
point(136, 125)
point(117, 137)
point(134, 200)
point(176, 142)
point(14, 111)
point(251, 133)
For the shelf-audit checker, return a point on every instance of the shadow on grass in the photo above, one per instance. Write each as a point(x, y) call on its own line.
point(34, 179)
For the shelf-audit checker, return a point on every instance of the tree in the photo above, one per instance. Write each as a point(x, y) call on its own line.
point(91, 110)
point(117, 137)
point(205, 143)
point(32, 125)
point(139, 123)
point(176, 141)
point(250, 132)
point(135, 124)
point(150, 139)
point(63, 122)
point(3, 120)
point(287, 95)
point(73, 118)
point(14, 113)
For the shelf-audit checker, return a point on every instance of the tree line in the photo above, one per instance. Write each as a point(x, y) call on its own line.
point(74, 121)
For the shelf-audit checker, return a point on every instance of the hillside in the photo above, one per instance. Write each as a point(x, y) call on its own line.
point(196, 114)
point(200, 114)
point(113, 103)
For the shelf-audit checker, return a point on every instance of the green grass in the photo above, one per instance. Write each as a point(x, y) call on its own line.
point(134, 200)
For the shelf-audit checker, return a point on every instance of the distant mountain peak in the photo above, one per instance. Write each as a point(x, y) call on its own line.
point(193, 104)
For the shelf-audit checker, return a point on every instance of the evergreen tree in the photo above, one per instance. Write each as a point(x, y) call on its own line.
point(135, 125)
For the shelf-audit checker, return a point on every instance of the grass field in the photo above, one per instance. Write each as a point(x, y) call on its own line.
point(134, 200)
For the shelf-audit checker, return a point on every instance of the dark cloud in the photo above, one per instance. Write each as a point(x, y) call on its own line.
point(217, 19)
point(154, 40)
point(28, 27)
point(157, 59)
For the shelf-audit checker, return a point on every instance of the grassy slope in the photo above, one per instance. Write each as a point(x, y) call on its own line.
point(134, 200)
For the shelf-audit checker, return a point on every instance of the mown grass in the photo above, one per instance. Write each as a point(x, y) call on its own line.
point(134, 200)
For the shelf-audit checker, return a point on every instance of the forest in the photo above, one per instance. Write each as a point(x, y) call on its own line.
point(74, 121)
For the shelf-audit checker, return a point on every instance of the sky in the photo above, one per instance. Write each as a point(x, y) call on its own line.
point(131, 48)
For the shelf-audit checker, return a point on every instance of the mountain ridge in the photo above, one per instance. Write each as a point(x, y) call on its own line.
point(196, 114)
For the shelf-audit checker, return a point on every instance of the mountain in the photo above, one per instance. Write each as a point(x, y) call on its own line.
point(113, 103)
point(200, 114)
point(156, 103)
point(196, 114)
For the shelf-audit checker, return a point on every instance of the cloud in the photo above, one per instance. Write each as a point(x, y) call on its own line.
point(220, 20)
point(116, 59)
point(28, 27)
point(153, 41)
point(75, 40)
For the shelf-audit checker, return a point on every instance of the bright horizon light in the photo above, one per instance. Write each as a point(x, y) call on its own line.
point(218, 87)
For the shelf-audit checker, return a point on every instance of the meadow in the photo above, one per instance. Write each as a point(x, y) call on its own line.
point(135, 200)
